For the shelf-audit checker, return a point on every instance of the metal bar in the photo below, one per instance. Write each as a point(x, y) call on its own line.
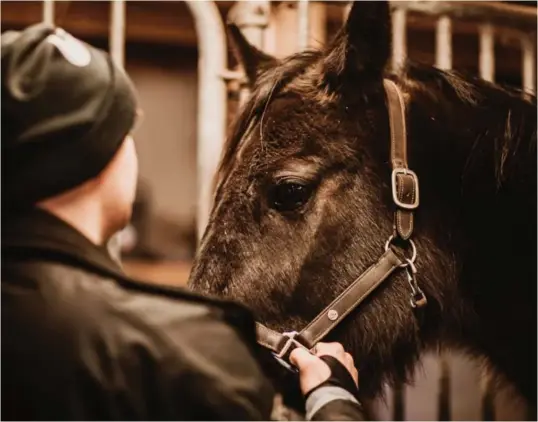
point(398, 401)
point(443, 60)
point(212, 104)
point(232, 75)
point(303, 25)
point(488, 396)
point(528, 65)
point(117, 31)
point(531, 414)
point(443, 401)
point(487, 52)
point(347, 8)
point(317, 27)
point(443, 48)
point(399, 38)
point(48, 12)
point(502, 14)
point(252, 17)
point(116, 39)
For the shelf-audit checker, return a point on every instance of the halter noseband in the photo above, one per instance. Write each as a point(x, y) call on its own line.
point(405, 195)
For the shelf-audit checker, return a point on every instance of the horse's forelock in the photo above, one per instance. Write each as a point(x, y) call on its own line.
point(296, 72)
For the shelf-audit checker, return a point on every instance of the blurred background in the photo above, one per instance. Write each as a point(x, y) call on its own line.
point(159, 45)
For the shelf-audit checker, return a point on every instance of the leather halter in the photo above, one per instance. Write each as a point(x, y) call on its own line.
point(405, 195)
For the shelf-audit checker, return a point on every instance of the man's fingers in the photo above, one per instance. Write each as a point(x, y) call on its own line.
point(332, 349)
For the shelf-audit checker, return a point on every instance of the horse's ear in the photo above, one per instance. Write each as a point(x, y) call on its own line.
point(363, 46)
point(252, 59)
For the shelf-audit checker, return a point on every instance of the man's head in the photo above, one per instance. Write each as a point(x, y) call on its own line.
point(67, 115)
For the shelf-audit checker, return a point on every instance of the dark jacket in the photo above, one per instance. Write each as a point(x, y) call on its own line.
point(81, 341)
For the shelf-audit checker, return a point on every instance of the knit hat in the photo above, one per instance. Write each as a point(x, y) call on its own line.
point(66, 109)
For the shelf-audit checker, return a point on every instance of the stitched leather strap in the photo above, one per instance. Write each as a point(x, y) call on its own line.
point(332, 315)
point(350, 298)
point(404, 181)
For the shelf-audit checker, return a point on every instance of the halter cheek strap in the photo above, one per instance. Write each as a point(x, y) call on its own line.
point(334, 313)
point(405, 194)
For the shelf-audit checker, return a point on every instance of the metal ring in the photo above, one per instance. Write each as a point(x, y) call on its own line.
point(414, 251)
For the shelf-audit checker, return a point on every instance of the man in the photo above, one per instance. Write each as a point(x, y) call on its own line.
point(80, 340)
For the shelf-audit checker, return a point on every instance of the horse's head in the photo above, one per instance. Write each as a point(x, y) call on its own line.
point(303, 201)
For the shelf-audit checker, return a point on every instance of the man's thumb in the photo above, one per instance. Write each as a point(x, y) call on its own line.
point(301, 357)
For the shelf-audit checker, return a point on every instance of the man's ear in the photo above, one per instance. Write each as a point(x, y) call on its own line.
point(253, 60)
point(363, 46)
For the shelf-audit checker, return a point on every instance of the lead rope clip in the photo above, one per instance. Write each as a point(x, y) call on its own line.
point(418, 298)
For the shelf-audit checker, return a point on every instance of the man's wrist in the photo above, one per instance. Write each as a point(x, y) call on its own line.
point(319, 397)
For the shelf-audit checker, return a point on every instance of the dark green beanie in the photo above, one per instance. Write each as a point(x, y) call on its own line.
point(66, 108)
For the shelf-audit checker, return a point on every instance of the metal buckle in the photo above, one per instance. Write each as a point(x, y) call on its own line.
point(406, 171)
point(289, 343)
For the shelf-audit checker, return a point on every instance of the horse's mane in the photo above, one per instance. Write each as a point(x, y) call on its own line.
point(519, 112)
point(507, 115)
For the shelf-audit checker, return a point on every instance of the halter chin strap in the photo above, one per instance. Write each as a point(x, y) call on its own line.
point(405, 194)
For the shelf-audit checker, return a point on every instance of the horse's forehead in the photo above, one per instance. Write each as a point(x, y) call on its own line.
point(292, 124)
point(275, 133)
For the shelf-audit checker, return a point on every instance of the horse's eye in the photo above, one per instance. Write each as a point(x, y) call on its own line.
point(289, 196)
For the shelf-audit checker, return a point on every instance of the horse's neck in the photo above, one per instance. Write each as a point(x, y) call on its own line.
point(477, 167)
point(475, 155)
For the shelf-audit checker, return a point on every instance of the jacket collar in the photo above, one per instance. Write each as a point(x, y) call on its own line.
point(40, 232)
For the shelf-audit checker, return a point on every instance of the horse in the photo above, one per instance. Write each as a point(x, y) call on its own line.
point(303, 205)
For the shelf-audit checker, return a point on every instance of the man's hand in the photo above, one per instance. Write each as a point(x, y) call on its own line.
point(313, 371)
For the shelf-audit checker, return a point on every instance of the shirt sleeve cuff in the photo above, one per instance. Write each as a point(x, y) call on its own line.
point(324, 395)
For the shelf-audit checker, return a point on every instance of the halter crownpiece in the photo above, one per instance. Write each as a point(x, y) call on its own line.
point(405, 195)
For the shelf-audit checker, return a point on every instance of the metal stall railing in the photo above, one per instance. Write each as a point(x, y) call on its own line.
point(212, 105)
point(116, 38)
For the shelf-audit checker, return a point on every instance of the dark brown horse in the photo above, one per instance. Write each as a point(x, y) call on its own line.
point(303, 205)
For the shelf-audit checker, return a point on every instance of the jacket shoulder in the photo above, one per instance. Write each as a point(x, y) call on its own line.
point(99, 303)
point(135, 339)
